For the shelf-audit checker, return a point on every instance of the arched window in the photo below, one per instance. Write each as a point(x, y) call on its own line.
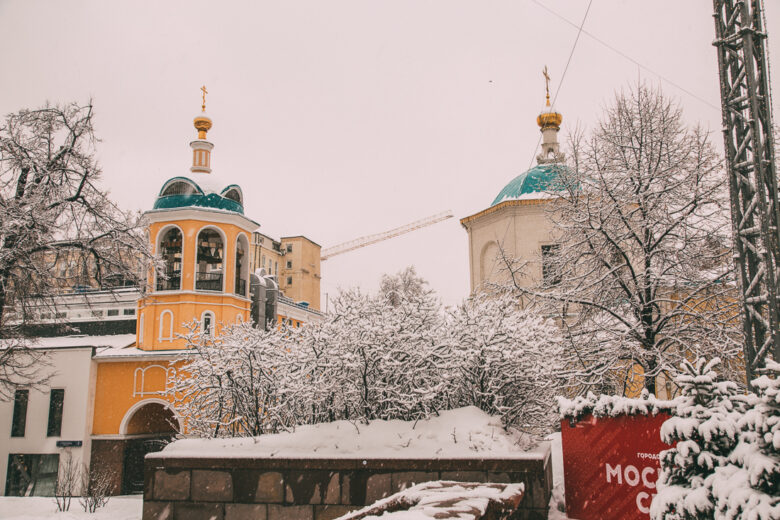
point(170, 252)
point(179, 188)
point(166, 326)
point(234, 194)
point(242, 265)
point(207, 322)
point(210, 261)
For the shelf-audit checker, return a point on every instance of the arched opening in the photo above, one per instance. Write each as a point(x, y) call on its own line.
point(235, 195)
point(242, 265)
point(152, 425)
point(170, 252)
point(179, 188)
point(207, 322)
point(210, 261)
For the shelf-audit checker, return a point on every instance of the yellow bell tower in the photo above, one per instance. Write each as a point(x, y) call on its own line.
point(201, 238)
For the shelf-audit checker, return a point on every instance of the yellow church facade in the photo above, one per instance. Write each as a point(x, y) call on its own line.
point(204, 242)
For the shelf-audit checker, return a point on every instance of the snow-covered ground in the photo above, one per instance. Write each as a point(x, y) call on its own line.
point(43, 508)
point(462, 433)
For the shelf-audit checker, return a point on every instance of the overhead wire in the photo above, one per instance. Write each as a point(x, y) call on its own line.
point(626, 56)
point(565, 69)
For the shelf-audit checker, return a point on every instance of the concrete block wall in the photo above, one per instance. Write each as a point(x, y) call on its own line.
point(319, 489)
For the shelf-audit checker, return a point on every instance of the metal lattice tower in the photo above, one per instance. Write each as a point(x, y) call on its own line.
point(747, 131)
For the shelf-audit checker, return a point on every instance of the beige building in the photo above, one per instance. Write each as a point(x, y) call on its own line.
point(516, 227)
point(295, 261)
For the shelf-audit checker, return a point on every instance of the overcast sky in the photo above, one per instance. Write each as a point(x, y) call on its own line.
point(346, 118)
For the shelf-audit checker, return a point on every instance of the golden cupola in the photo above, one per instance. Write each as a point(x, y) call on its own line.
point(201, 149)
point(549, 123)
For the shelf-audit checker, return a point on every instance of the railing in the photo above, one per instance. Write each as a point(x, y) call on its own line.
point(240, 287)
point(208, 282)
point(170, 283)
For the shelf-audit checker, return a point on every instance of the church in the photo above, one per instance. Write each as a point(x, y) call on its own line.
point(517, 224)
point(106, 401)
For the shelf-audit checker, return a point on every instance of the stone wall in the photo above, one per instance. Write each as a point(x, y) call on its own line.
point(319, 489)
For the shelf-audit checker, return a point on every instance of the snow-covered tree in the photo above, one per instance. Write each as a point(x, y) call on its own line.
point(508, 361)
point(749, 485)
point(642, 270)
point(704, 426)
point(52, 211)
point(238, 383)
point(386, 351)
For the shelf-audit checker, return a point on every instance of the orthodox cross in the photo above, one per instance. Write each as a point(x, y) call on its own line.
point(203, 89)
point(546, 83)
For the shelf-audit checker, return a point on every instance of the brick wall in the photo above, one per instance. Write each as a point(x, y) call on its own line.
point(319, 489)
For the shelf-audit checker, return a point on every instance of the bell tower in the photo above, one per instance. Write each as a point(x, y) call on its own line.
point(201, 237)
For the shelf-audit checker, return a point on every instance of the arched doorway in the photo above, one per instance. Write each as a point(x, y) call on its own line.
point(149, 426)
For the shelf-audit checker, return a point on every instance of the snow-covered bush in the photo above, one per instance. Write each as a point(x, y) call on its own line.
point(508, 361)
point(393, 355)
point(749, 485)
point(238, 383)
point(704, 426)
point(382, 356)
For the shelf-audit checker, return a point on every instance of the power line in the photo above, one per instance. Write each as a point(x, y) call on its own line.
point(626, 56)
point(563, 76)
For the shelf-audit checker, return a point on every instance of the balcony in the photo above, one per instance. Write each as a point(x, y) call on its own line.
point(171, 282)
point(208, 282)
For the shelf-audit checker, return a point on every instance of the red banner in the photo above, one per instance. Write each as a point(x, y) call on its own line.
point(610, 465)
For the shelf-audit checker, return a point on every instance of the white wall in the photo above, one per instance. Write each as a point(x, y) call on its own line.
point(71, 369)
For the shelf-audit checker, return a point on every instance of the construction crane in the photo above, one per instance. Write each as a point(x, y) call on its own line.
point(747, 132)
point(379, 237)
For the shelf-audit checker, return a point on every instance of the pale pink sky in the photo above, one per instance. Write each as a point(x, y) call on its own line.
point(346, 118)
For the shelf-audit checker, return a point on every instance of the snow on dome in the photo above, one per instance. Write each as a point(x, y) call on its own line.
point(536, 183)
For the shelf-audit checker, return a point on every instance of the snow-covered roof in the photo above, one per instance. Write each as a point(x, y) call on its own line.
point(464, 433)
point(131, 351)
point(80, 340)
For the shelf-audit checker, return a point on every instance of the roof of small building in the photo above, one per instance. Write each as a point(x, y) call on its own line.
point(534, 183)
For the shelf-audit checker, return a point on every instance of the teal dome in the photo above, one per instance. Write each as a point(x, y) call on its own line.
point(199, 192)
point(539, 179)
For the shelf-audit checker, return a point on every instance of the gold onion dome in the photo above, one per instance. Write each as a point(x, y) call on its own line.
point(202, 124)
point(548, 118)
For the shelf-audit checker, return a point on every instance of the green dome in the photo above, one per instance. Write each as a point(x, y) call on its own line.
point(539, 179)
point(199, 192)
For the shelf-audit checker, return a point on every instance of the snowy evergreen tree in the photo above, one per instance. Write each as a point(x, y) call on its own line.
point(749, 486)
point(508, 361)
point(705, 430)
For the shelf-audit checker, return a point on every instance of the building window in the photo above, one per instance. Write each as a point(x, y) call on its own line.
point(170, 251)
point(551, 274)
point(289, 248)
point(56, 400)
point(209, 263)
point(276, 268)
point(289, 264)
point(32, 475)
point(242, 273)
point(20, 413)
point(129, 312)
point(289, 280)
point(112, 312)
point(207, 323)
